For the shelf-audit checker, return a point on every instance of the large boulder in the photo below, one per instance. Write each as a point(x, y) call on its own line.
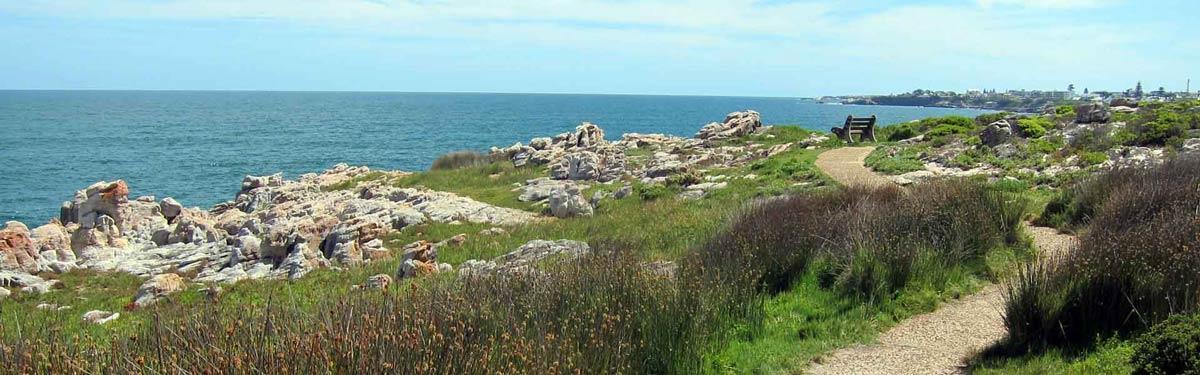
point(540, 188)
point(997, 133)
point(103, 198)
point(1090, 113)
point(170, 208)
point(578, 165)
point(53, 243)
point(157, 287)
point(28, 283)
point(528, 255)
point(568, 202)
point(17, 250)
point(736, 124)
point(100, 317)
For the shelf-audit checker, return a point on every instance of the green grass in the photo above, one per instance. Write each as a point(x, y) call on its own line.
point(492, 183)
point(808, 321)
point(1110, 357)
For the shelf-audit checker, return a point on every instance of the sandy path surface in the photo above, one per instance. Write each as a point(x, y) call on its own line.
point(938, 342)
point(845, 165)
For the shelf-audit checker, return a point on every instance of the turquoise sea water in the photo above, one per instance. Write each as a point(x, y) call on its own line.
point(196, 146)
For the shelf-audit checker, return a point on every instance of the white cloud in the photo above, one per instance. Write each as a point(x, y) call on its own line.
point(1048, 4)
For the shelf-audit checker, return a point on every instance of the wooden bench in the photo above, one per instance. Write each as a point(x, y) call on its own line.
point(863, 126)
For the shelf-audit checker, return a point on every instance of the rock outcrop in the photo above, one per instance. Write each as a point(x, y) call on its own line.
point(273, 228)
point(736, 124)
point(997, 133)
point(1090, 113)
point(569, 202)
point(525, 257)
point(17, 250)
point(156, 287)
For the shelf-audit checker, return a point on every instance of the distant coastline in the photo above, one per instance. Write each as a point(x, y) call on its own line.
point(1019, 101)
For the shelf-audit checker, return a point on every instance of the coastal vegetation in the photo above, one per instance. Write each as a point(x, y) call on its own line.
point(726, 302)
point(759, 264)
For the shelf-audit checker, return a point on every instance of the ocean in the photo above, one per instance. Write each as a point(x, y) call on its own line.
point(197, 146)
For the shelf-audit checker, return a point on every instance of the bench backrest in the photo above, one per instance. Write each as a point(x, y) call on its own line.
point(860, 122)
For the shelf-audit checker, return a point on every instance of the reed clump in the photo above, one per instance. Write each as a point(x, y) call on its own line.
point(1135, 263)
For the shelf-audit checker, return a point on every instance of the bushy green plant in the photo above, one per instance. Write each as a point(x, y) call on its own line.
point(1064, 112)
point(1163, 123)
point(1093, 157)
point(1034, 127)
point(1043, 146)
point(895, 160)
point(898, 132)
point(650, 192)
point(1170, 347)
point(931, 127)
point(685, 178)
point(950, 125)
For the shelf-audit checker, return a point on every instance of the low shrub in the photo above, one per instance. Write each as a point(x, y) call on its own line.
point(1065, 112)
point(1093, 157)
point(898, 132)
point(650, 192)
point(1133, 266)
point(931, 127)
point(895, 160)
point(1043, 146)
point(989, 118)
point(1161, 123)
point(1170, 347)
point(1034, 127)
point(951, 125)
point(460, 159)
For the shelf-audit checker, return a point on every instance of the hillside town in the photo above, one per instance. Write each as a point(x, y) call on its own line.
point(1022, 100)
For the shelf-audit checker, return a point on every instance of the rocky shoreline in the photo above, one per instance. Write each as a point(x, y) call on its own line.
point(275, 228)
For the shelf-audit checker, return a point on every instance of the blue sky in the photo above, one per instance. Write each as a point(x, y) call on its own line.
point(691, 47)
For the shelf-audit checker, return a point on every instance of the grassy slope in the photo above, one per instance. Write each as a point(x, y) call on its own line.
point(800, 323)
point(661, 229)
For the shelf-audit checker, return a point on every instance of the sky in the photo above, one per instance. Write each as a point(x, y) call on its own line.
point(682, 47)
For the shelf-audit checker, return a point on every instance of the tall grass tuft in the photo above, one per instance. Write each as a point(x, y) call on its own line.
point(460, 159)
point(1135, 263)
point(605, 313)
point(870, 242)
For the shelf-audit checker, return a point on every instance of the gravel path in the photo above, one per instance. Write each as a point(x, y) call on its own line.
point(845, 165)
point(938, 342)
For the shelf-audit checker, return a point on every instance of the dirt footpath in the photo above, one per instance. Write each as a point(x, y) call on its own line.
point(845, 165)
point(937, 342)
